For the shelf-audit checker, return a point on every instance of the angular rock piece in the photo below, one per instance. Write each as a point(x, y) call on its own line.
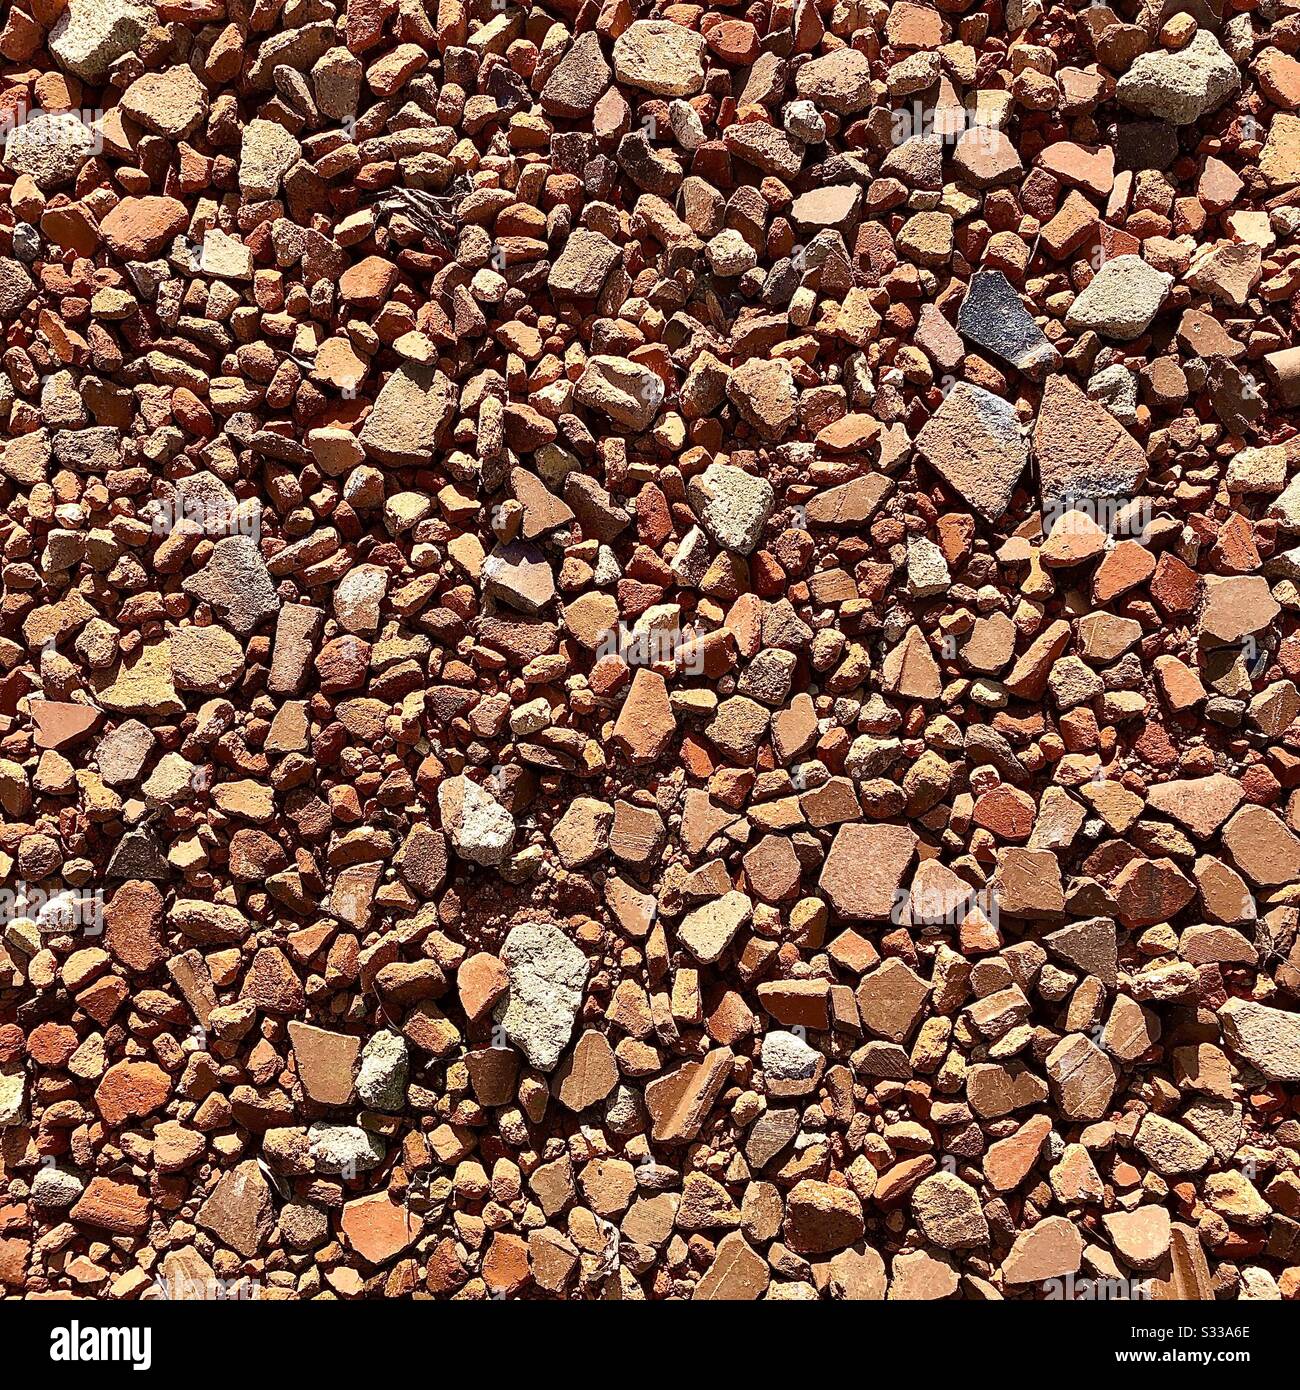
point(626, 392)
point(238, 1212)
point(1180, 87)
point(1121, 299)
point(547, 976)
point(409, 416)
point(993, 316)
point(949, 1213)
point(975, 443)
point(1083, 452)
point(479, 827)
point(733, 505)
point(659, 56)
point(236, 583)
point(89, 36)
point(1269, 1039)
point(865, 868)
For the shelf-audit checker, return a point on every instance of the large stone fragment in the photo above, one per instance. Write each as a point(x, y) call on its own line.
point(17, 290)
point(50, 148)
point(238, 1212)
point(1121, 299)
point(948, 1212)
point(1269, 1039)
point(171, 103)
point(142, 684)
point(679, 1100)
point(1083, 452)
point(480, 828)
point(764, 393)
point(709, 930)
point(384, 1071)
point(547, 975)
point(267, 153)
point(582, 267)
point(1083, 1078)
point(235, 581)
point(821, 1218)
point(865, 868)
point(891, 1001)
point(738, 1273)
point(518, 574)
point(733, 505)
point(1141, 1237)
point(89, 36)
point(409, 416)
point(1183, 86)
point(839, 81)
point(975, 443)
point(1049, 1250)
point(324, 1062)
point(659, 56)
point(628, 393)
point(994, 317)
point(1262, 847)
point(346, 1149)
point(578, 79)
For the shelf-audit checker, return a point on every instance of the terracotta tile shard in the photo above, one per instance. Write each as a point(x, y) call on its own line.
point(588, 1075)
point(974, 442)
point(326, 1062)
point(680, 1100)
point(865, 868)
point(112, 1206)
point(1052, 1249)
point(1082, 451)
point(377, 1228)
point(738, 1273)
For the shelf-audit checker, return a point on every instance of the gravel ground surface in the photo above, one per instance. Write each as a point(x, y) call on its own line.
point(650, 651)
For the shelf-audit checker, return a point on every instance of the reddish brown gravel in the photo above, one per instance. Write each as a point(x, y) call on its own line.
point(650, 651)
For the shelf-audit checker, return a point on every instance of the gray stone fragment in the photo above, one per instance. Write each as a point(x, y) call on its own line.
point(17, 289)
point(547, 974)
point(787, 1057)
point(975, 442)
point(1180, 87)
point(733, 505)
point(91, 35)
point(267, 153)
point(55, 1188)
point(927, 570)
point(236, 583)
point(481, 829)
point(578, 79)
point(50, 148)
point(123, 752)
point(344, 1148)
point(1121, 299)
point(1116, 389)
point(384, 1071)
